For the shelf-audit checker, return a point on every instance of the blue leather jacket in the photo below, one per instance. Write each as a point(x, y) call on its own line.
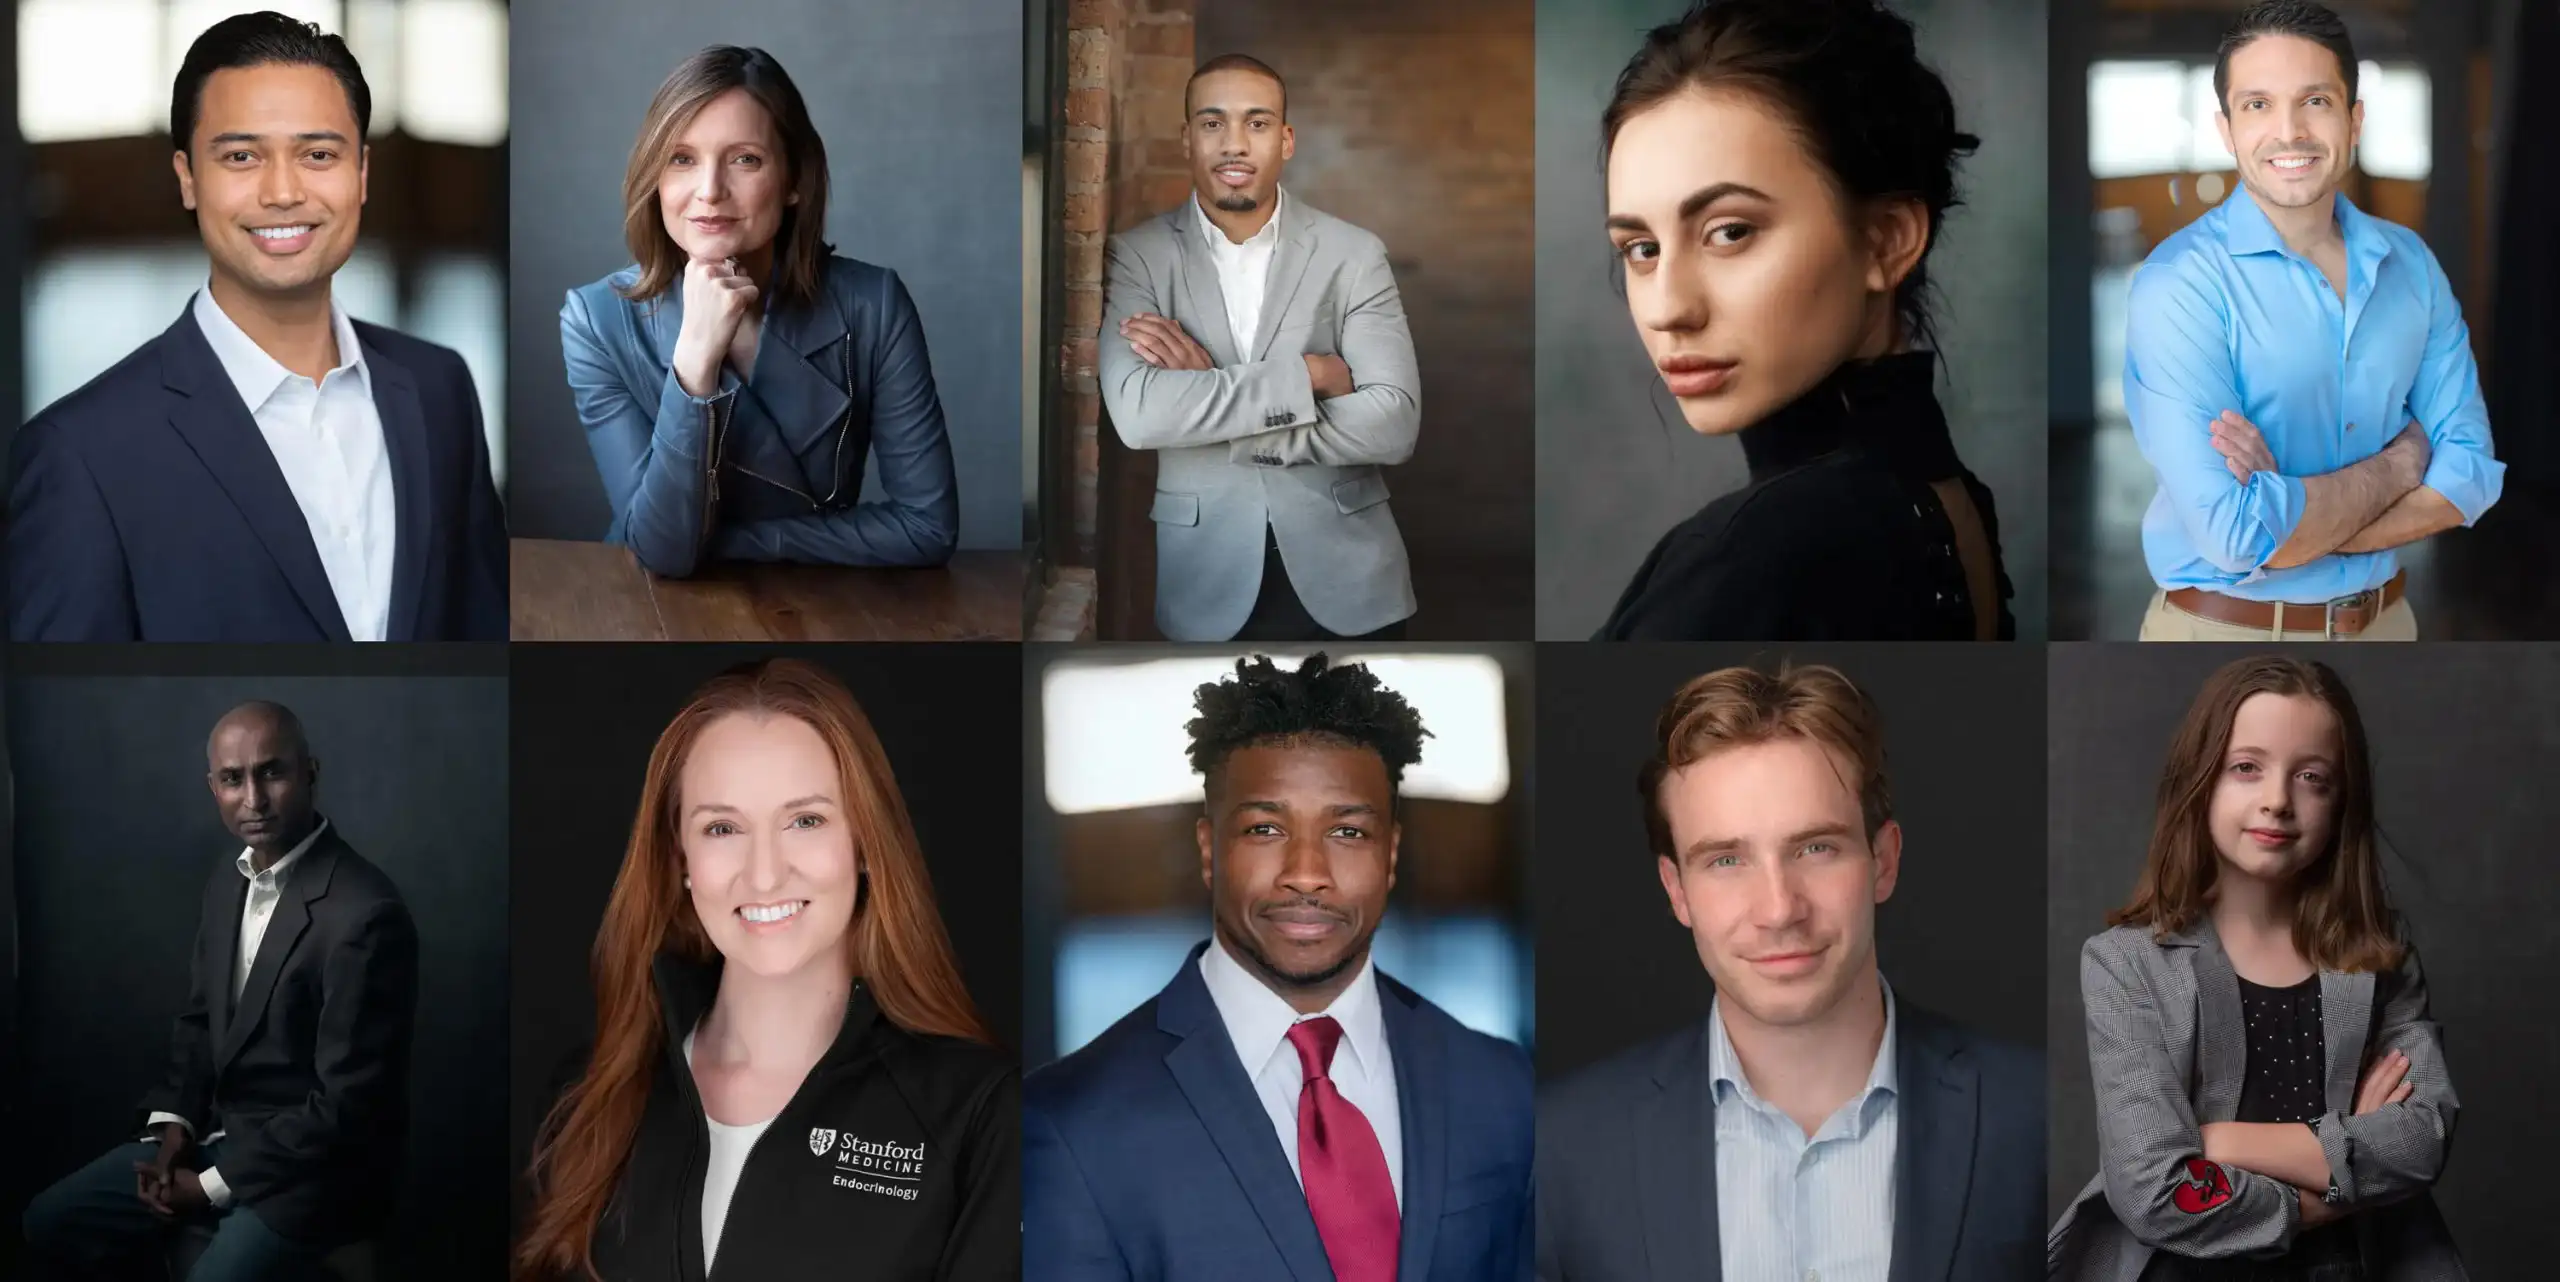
point(770, 467)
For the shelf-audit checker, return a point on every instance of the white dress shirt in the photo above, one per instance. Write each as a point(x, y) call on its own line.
point(256, 910)
point(1792, 1209)
point(730, 1146)
point(1243, 270)
point(327, 440)
point(1363, 1069)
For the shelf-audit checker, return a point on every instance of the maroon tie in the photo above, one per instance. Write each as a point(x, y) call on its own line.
point(1345, 1172)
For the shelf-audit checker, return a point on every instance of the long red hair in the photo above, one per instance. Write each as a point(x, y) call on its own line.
point(896, 944)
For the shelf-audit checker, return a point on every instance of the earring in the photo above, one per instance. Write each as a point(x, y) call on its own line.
point(688, 881)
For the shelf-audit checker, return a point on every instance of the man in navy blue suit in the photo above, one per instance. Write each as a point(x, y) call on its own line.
point(1282, 1112)
point(266, 469)
point(1816, 1126)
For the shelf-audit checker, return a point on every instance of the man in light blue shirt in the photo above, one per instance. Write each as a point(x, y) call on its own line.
point(2297, 371)
point(1816, 1128)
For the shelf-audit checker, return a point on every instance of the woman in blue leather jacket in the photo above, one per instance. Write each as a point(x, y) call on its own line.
point(734, 379)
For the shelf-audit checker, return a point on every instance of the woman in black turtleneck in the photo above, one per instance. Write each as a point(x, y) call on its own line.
point(1777, 173)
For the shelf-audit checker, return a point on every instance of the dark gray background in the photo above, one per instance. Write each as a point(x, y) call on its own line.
point(921, 109)
point(1963, 729)
point(586, 719)
point(2464, 739)
point(1617, 466)
point(116, 836)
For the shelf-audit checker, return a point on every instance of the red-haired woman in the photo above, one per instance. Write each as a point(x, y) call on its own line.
point(2272, 1096)
point(788, 1078)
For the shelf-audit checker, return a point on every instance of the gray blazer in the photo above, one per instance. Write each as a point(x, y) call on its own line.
point(1246, 444)
point(2166, 1051)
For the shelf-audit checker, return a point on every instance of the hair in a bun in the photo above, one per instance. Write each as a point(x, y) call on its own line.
point(1847, 73)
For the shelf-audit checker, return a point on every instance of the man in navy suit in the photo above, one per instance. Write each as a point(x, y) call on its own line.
point(266, 469)
point(1281, 1112)
point(1815, 1128)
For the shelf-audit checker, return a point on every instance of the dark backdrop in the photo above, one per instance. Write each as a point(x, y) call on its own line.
point(921, 109)
point(1963, 730)
point(2465, 738)
point(586, 718)
point(117, 834)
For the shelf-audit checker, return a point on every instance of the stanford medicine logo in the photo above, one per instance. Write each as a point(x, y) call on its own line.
point(884, 1167)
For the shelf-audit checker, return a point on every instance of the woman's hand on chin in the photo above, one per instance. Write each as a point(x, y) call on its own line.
point(717, 297)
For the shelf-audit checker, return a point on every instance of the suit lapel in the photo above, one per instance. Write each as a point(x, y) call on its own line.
point(1204, 301)
point(404, 438)
point(225, 437)
point(2222, 1045)
point(1213, 1080)
point(1288, 269)
point(794, 383)
point(308, 880)
point(1676, 1167)
point(2346, 1012)
point(225, 905)
point(1933, 1164)
point(1420, 1054)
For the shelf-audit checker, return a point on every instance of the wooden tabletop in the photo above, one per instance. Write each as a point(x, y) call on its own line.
point(566, 591)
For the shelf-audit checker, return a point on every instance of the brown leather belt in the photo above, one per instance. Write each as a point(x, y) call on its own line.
point(2343, 617)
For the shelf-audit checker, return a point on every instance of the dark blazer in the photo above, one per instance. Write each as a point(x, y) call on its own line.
point(768, 469)
point(816, 1198)
point(1627, 1162)
point(1146, 1155)
point(147, 507)
point(310, 1071)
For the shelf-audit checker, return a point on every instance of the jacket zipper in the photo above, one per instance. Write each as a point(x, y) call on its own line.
point(712, 432)
point(844, 428)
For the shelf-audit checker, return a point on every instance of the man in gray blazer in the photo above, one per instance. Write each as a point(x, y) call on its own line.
point(1259, 346)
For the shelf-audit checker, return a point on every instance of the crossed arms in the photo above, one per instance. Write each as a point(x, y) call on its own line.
point(2151, 1147)
point(2241, 511)
point(1163, 392)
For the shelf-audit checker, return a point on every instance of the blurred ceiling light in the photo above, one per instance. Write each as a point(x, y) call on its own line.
point(1114, 740)
point(2137, 118)
point(66, 92)
point(453, 71)
point(2399, 121)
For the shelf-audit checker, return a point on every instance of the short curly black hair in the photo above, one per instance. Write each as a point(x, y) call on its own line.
point(1341, 706)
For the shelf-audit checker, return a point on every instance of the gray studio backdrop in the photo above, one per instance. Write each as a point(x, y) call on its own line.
point(1616, 464)
point(921, 109)
point(2465, 739)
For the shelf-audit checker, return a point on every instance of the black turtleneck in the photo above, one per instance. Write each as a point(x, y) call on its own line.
point(1837, 535)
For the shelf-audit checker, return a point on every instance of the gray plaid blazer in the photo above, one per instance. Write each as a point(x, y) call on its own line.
point(2166, 1047)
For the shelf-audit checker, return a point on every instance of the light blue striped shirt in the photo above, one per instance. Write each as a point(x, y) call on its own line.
point(1789, 1209)
point(2224, 316)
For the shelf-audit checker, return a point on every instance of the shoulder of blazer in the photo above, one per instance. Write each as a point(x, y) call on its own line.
point(1115, 1060)
point(103, 415)
point(2007, 1068)
point(608, 318)
point(356, 880)
point(1614, 1085)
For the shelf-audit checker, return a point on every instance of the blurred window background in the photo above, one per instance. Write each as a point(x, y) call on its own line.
point(114, 256)
point(1113, 900)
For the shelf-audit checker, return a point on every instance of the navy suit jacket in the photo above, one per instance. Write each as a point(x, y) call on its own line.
point(1147, 1157)
point(1627, 1162)
point(147, 507)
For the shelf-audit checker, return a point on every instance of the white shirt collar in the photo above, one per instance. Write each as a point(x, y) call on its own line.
point(256, 374)
point(1270, 233)
point(1258, 1020)
point(1724, 1066)
point(275, 871)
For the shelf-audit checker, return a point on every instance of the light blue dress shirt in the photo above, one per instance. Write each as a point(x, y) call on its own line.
point(1792, 1209)
point(2224, 316)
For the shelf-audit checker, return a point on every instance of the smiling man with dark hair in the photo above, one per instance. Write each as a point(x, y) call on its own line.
point(2297, 371)
point(1282, 1109)
point(267, 469)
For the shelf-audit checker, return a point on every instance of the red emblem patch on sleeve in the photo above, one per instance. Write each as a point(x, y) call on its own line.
point(2204, 1187)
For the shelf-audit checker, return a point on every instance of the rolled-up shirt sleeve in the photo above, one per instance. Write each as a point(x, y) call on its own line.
point(2445, 400)
point(2178, 378)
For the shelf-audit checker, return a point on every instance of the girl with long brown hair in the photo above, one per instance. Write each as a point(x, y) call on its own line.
point(734, 379)
point(788, 1077)
point(2272, 1098)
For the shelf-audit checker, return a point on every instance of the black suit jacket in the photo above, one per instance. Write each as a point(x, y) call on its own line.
point(309, 1070)
point(1627, 1162)
point(147, 507)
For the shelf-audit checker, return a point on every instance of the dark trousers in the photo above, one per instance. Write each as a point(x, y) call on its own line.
point(93, 1225)
point(1278, 614)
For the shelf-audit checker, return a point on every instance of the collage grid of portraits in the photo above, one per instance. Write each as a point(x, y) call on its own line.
point(1279, 640)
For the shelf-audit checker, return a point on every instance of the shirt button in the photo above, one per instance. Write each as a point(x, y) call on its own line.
point(2351, 427)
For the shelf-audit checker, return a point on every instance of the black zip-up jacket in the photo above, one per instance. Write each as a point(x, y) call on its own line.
point(898, 1160)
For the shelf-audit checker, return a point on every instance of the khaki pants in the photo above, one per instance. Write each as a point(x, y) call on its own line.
point(2166, 622)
